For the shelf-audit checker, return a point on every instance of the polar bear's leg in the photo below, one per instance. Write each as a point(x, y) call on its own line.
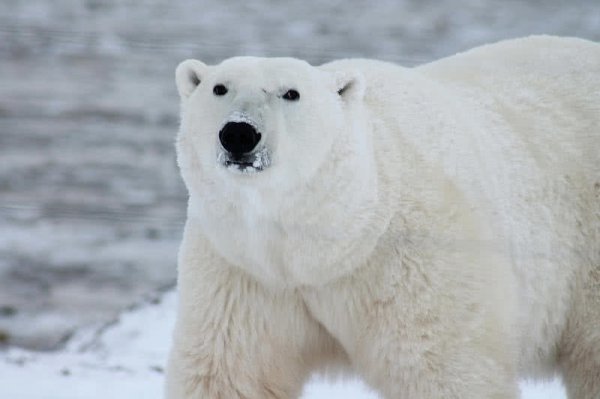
point(579, 352)
point(424, 331)
point(429, 368)
point(414, 356)
point(235, 339)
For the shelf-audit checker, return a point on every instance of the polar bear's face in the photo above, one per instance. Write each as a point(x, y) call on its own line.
point(277, 158)
point(261, 121)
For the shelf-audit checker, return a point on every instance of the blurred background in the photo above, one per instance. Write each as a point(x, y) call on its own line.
point(91, 202)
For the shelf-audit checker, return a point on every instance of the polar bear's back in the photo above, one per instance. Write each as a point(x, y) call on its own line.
point(547, 88)
point(546, 55)
point(535, 100)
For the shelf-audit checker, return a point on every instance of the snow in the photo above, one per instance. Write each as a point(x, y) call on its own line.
point(126, 359)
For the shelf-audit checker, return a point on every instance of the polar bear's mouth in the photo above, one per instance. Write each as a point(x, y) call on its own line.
point(248, 163)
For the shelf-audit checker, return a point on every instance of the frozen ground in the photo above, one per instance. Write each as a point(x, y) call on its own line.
point(125, 360)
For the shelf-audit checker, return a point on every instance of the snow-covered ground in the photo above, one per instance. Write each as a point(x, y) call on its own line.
point(126, 359)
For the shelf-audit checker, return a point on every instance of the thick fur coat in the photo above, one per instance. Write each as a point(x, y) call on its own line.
point(434, 229)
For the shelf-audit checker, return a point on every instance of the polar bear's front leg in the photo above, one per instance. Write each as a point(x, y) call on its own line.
point(424, 327)
point(233, 337)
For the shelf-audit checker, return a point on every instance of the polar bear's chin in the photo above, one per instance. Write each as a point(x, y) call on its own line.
point(246, 164)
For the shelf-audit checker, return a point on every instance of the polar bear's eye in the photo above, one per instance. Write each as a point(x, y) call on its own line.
point(220, 90)
point(291, 95)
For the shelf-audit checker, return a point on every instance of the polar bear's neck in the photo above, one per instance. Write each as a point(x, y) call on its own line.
point(312, 235)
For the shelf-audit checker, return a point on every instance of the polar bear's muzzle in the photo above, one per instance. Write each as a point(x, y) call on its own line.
point(240, 147)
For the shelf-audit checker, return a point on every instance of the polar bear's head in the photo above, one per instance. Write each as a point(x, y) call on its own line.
point(277, 157)
point(264, 121)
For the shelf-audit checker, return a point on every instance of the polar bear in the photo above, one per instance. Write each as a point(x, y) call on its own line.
point(435, 230)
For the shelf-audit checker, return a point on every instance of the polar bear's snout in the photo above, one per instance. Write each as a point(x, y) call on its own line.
point(239, 138)
point(242, 145)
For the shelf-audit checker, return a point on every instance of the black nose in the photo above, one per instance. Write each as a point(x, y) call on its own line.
point(239, 137)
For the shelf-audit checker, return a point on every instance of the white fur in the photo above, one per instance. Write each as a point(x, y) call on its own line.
point(436, 229)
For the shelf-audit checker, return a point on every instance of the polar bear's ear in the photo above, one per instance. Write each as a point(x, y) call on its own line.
point(188, 76)
point(350, 85)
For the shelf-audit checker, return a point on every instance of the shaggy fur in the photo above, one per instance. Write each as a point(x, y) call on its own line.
point(435, 230)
